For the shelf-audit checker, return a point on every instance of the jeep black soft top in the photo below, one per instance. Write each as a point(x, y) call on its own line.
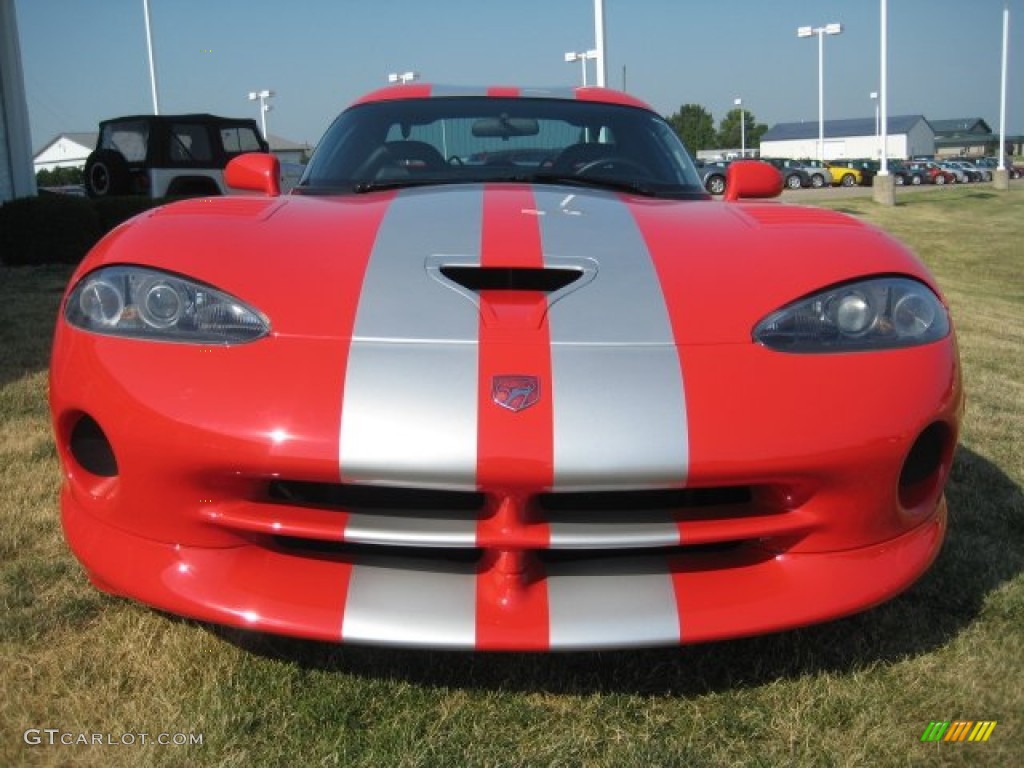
point(162, 155)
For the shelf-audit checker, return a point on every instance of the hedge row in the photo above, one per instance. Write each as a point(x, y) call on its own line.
point(60, 229)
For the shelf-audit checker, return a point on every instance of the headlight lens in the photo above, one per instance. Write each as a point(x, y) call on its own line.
point(878, 313)
point(152, 304)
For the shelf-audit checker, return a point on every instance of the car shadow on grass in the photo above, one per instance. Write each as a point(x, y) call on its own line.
point(982, 552)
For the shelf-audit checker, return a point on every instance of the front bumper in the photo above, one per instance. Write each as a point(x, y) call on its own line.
point(609, 602)
point(798, 506)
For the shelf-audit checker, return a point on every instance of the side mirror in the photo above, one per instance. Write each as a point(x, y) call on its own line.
point(254, 172)
point(746, 179)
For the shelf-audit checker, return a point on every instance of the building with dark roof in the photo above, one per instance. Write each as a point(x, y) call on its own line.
point(970, 137)
point(908, 135)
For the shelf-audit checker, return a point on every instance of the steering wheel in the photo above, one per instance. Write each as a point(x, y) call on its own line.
point(455, 160)
point(610, 163)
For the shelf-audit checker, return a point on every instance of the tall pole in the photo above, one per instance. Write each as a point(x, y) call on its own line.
point(743, 133)
point(262, 96)
point(821, 94)
point(152, 63)
point(1002, 92)
point(883, 187)
point(828, 29)
point(878, 134)
point(883, 122)
point(581, 57)
point(743, 128)
point(599, 43)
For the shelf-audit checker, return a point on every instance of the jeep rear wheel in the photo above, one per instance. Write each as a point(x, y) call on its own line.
point(106, 173)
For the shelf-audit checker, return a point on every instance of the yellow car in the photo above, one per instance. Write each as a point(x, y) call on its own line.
point(845, 176)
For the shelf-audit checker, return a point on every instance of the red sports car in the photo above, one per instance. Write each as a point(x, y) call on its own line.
point(499, 374)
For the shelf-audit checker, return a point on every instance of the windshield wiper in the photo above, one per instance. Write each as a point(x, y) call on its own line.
point(362, 187)
point(620, 185)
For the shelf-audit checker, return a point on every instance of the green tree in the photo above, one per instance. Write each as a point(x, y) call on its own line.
point(695, 127)
point(729, 136)
point(59, 177)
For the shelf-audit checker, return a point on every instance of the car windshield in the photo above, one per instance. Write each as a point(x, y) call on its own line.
point(452, 140)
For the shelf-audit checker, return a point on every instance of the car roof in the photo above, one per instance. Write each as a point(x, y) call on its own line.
point(195, 117)
point(432, 91)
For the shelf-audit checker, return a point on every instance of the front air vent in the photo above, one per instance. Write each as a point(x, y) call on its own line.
point(91, 449)
point(369, 497)
point(546, 280)
point(633, 502)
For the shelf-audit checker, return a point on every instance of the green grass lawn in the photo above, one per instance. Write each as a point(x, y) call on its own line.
point(856, 692)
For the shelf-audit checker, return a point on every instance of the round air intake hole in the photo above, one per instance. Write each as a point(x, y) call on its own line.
point(920, 472)
point(91, 449)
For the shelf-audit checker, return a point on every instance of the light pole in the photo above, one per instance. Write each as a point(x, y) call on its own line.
point(152, 62)
point(264, 107)
point(743, 128)
point(581, 56)
point(828, 29)
point(883, 186)
point(874, 98)
point(602, 71)
point(1002, 91)
point(883, 193)
point(403, 77)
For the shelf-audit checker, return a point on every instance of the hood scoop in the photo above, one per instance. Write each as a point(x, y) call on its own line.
point(543, 279)
point(509, 295)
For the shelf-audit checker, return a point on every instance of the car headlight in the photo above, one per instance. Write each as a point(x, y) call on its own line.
point(151, 304)
point(877, 313)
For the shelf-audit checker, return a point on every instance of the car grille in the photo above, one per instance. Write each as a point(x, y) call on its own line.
point(464, 524)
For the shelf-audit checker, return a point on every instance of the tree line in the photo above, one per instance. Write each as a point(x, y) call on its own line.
point(59, 177)
point(696, 127)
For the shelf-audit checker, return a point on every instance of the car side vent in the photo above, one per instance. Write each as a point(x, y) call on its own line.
point(546, 280)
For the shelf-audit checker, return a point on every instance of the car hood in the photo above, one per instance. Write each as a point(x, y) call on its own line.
point(433, 263)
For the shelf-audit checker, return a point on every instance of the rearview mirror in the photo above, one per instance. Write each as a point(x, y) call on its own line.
point(254, 172)
point(505, 127)
point(747, 179)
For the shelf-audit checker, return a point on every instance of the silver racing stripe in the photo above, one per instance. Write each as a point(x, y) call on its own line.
point(451, 528)
point(619, 403)
point(410, 603)
point(612, 603)
point(586, 529)
point(409, 405)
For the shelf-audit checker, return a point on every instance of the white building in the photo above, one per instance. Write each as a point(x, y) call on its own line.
point(16, 177)
point(908, 136)
point(68, 150)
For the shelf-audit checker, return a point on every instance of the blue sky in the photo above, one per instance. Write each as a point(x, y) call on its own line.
point(86, 60)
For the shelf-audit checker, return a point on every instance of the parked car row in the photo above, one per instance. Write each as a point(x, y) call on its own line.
point(805, 173)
